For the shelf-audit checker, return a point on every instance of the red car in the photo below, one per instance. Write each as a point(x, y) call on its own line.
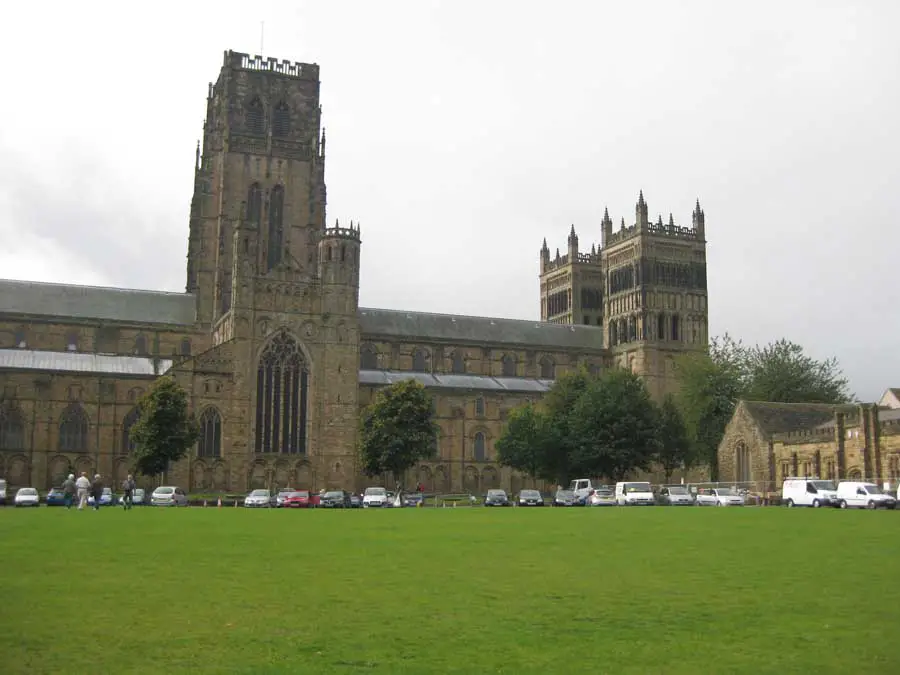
point(301, 499)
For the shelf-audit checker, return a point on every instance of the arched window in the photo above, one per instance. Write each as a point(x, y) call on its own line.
point(255, 117)
point(479, 447)
point(71, 342)
point(254, 204)
point(661, 327)
point(548, 368)
point(632, 329)
point(19, 339)
point(185, 347)
point(675, 327)
point(612, 334)
point(281, 392)
point(12, 429)
point(129, 421)
point(281, 120)
point(209, 443)
point(420, 361)
point(140, 345)
point(276, 216)
point(457, 363)
point(73, 429)
point(479, 407)
point(509, 365)
point(368, 358)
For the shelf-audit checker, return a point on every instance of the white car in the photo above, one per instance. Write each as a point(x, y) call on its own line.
point(858, 494)
point(258, 499)
point(718, 497)
point(375, 496)
point(602, 496)
point(168, 495)
point(808, 492)
point(27, 496)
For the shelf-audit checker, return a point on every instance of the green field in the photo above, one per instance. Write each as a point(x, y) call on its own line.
point(617, 590)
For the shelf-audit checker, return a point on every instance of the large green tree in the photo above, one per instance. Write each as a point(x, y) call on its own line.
point(674, 444)
point(527, 443)
point(165, 429)
point(710, 385)
point(614, 426)
point(397, 429)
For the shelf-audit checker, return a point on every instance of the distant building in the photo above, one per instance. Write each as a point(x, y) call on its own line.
point(272, 346)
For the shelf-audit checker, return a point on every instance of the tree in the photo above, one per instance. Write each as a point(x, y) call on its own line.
point(674, 445)
point(559, 404)
point(710, 385)
point(614, 426)
point(526, 443)
point(165, 430)
point(397, 429)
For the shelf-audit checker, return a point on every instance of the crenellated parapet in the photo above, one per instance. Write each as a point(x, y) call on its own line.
point(297, 70)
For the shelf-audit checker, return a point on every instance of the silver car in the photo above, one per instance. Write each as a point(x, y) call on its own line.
point(168, 495)
point(260, 499)
point(676, 495)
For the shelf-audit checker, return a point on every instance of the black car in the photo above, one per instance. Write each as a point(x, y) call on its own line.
point(566, 498)
point(336, 499)
point(496, 498)
point(530, 498)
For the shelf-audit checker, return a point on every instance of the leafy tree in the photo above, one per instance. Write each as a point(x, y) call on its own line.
point(782, 372)
point(674, 445)
point(397, 429)
point(527, 444)
point(165, 430)
point(614, 426)
point(559, 404)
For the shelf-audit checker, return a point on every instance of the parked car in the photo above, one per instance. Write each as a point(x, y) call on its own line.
point(634, 493)
point(282, 494)
point(56, 497)
point(565, 498)
point(809, 492)
point(107, 498)
point(861, 495)
point(718, 497)
point(258, 499)
point(336, 499)
point(602, 496)
point(391, 499)
point(530, 498)
point(2, 491)
point(27, 496)
point(298, 499)
point(413, 499)
point(139, 497)
point(583, 488)
point(355, 502)
point(375, 496)
point(496, 498)
point(676, 495)
point(168, 495)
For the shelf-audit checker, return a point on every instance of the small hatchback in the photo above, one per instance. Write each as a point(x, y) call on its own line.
point(168, 495)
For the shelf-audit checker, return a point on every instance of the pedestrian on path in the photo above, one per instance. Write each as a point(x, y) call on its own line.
point(128, 489)
point(69, 490)
point(82, 486)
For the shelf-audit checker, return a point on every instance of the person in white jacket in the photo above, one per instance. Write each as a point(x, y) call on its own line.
point(83, 485)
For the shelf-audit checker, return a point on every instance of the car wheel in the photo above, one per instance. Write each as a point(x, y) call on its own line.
point(843, 503)
point(816, 504)
point(871, 505)
point(790, 503)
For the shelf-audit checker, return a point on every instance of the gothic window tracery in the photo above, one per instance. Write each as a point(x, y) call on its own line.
point(368, 358)
point(420, 360)
point(281, 397)
point(140, 345)
point(129, 421)
point(254, 204)
point(255, 116)
point(508, 365)
point(12, 429)
point(281, 120)
point(73, 429)
point(209, 443)
point(479, 449)
point(548, 368)
point(457, 363)
point(276, 216)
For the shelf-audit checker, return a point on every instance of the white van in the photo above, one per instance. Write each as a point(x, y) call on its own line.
point(634, 494)
point(809, 492)
point(856, 494)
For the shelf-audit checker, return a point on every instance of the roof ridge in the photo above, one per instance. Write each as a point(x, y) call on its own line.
point(479, 317)
point(56, 284)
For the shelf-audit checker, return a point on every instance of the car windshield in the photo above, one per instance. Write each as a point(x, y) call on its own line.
point(259, 493)
point(138, 491)
point(873, 489)
point(823, 485)
point(678, 491)
point(375, 492)
point(28, 491)
point(725, 492)
point(637, 487)
point(334, 494)
point(530, 494)
point(565, 494)
point(107, 491)
point(496, 493)
point(285, 492)
point(301, 493)
point(164, 491)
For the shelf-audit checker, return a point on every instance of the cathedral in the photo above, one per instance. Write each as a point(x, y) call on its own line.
point(270, 343)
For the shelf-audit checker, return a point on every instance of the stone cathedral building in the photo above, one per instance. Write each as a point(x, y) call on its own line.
point(272, 346)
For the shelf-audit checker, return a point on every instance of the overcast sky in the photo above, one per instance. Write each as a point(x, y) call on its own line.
point(462, 133)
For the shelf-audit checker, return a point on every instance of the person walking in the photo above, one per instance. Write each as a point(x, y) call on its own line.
point(128, 489)
point(97, 491)
point(69, 490)
point(82, 487)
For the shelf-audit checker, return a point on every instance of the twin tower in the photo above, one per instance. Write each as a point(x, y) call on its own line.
point(645, 285)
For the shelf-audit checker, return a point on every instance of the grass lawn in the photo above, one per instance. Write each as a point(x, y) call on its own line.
point(615, 590)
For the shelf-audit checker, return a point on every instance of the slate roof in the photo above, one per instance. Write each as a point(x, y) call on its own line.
point(96, 302)
point(477, 329)
point(78, 362)
point(779, 418)
point(474, 382)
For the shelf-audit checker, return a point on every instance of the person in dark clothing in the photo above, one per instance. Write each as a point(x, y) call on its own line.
point(97, 491)
point(128, 489)
point(69, 490)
